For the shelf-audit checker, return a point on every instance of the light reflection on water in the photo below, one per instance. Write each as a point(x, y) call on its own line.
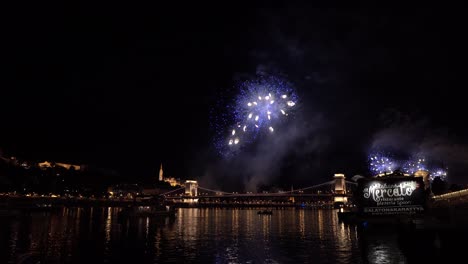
point(80, 235)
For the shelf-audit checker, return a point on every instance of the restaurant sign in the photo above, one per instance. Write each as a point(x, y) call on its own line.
point(389, 196)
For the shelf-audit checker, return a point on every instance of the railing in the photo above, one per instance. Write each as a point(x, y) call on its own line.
point(258, 195)
point(292, 193)
point(451, 195)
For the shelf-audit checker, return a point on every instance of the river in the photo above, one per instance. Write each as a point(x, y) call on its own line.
point(98, 235)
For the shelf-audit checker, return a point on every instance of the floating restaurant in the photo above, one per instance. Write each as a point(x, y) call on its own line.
point(390, 198)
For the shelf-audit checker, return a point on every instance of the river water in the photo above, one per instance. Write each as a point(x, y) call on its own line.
point(98, 235)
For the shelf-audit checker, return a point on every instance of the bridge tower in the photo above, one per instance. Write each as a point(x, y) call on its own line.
point(191, 188)
point(340, 188)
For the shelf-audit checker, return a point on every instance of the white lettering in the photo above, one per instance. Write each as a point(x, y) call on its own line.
point(378, 191)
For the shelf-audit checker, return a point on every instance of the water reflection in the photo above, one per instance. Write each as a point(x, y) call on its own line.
point(381, 246)
point(99, 235)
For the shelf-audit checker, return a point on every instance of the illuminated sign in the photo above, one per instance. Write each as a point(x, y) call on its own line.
point(390, 196)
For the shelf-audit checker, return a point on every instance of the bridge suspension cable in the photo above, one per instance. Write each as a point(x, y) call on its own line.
point(286, 192)
point(166, 193)
point(315, 186)
point(302, 189)
point(206, 189)
point(350, 182)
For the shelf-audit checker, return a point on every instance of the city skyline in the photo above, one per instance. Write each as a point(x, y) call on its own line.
point(269, 132)
point(129, 93)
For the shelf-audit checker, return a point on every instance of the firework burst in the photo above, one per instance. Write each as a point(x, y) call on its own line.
point(419, 163)
point(438, 173)
point(384, 163)
point(260, 108)
point(381, 163)
point(414, 164)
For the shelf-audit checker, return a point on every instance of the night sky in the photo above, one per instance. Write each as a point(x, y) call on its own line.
point(129, 87)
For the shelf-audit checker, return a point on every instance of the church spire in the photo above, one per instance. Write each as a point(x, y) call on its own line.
point(161, 177)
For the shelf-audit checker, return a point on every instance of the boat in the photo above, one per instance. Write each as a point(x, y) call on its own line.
point(148, 211)
point(390, 200)
point(265, 212)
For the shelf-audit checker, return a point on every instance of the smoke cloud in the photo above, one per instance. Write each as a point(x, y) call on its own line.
point(263, 164)
point(409, 136)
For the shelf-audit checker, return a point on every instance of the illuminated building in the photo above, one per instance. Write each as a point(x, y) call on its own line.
point(46, 164)
point(161, 177)
point(25, 165)
point(173, 181)
point(124, 190)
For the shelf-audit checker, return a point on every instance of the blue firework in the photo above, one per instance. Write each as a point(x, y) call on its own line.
point(381, 163)
point(261, 107)
point(414, 164)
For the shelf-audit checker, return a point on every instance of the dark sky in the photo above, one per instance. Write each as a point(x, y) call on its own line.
point(128, 87)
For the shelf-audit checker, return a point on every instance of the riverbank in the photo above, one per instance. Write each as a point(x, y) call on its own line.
point(432, 219)
point(44, 202)
point(21, 202)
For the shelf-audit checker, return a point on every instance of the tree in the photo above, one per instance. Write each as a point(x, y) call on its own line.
point(438, 186)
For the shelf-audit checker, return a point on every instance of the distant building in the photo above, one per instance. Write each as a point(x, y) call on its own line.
point(13, 161)
point(161, 177)
point(69, 166)
point(171, 180)
point(46, 164)
point(124, 190)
